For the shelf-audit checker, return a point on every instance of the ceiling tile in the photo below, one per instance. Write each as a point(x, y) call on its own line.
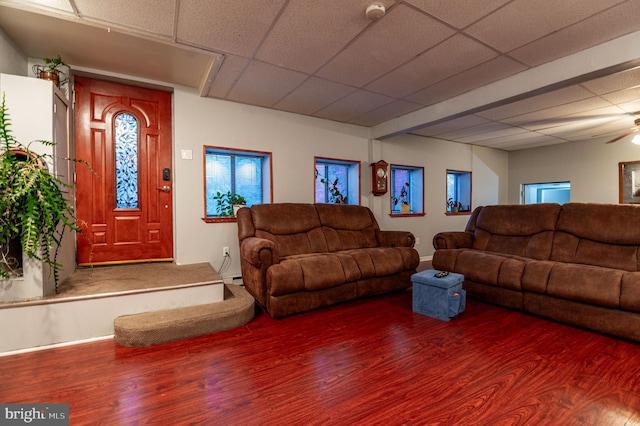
point(353, 105)
point(449, 58)
point(385, 112)
point(623, 96)
point(537, 103)
point(614, 82)
point(523, 21)
point(231, 67)
point(411, 58)
point(398, 37)
point(313, 95)
point(483, 74)
point(591, 108)
point(153, 16)
point(264, 84)
point(458, 13)
point(452, 125)
point(308, 33)
point(605, 26)
point(530, 143)
point(632, 107)
point(477, 131)
point(488, 136)
point(231, 26)
point(601, 132)
point(520, 138)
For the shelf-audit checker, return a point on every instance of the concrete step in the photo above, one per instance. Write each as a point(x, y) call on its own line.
point(152, 328)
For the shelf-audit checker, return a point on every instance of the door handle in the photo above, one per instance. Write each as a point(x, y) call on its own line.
point(165, 188)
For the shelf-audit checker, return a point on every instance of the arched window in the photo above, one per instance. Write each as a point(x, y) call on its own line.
point(126, 135)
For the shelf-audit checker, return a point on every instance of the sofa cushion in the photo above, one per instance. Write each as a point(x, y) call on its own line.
point(479, 266)
point(630, 292)
point(586, 283)
point(588, 233)
point(536, 276)
point(311, 272)
point(381, 261)
point(300, 233)
point(521, 230)
point(349, 227)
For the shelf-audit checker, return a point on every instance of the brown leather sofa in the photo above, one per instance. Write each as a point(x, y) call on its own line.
point(578, 263)
point(298, 257)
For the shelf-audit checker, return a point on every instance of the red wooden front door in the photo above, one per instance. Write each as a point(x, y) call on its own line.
point(124, 201)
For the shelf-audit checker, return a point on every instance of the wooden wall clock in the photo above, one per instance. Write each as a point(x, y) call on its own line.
point(379, 175)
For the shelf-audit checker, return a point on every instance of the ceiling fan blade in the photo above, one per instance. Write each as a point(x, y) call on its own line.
point(621, 136)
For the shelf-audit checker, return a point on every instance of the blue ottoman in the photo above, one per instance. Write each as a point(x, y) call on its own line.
point(441, 298)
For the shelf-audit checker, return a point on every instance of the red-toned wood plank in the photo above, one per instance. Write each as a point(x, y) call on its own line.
point(367, 362)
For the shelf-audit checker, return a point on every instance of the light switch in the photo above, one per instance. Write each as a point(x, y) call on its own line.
point(186, 154)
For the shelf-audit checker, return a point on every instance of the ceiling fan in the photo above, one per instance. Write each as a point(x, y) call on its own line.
point(633, 130)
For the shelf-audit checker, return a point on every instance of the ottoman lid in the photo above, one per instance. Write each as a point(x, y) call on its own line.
point(427, 277)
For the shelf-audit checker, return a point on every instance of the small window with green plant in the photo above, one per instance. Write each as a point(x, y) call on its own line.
point(234, 178)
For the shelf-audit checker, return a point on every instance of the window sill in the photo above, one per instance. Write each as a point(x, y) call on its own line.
point(219, 219)
point(407, 214)
point(457, 213)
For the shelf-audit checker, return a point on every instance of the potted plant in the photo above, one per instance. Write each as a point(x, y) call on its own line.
point(51, 69)
point(454, 206)
point(33, 206)
point(227, 204)
point(403, 199)
point(335, 195)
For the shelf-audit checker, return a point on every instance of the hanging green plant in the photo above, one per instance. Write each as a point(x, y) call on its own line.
point(33, 206)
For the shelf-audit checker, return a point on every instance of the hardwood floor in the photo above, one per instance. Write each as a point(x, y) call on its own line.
point(369, 362)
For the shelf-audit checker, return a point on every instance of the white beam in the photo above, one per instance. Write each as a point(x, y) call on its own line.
point(212, 70)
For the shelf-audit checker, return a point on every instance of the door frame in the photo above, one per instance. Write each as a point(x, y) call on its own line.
point(134, 83)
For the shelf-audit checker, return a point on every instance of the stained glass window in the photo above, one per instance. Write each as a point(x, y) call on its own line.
point(126, 133)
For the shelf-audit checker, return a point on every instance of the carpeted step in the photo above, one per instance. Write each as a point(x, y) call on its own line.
point(152, 328)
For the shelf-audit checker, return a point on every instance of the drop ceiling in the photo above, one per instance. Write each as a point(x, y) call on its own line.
point(507, 74)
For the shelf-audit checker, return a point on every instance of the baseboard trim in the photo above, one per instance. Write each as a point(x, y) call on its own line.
point(55, 345)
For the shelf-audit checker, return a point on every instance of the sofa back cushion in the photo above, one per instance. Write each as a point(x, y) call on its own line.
point(347, 227)
point(598, 234)
point(294, 228)
point(521, 230)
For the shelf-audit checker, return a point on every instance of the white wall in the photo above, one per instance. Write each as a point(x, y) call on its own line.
point(591, 167)
point(292, 139)
point(12, 60)
point(489, 183)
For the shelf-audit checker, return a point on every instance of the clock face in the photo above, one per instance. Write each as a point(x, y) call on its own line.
point(381, 173)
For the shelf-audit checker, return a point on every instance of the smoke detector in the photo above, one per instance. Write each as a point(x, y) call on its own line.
point(375, 11)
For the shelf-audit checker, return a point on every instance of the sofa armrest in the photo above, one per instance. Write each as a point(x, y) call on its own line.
point(251, 250)
point(396, 239)
point(453, 240)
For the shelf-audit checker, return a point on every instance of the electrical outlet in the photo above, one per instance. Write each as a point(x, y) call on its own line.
point(225, 251)
point(417, 241)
